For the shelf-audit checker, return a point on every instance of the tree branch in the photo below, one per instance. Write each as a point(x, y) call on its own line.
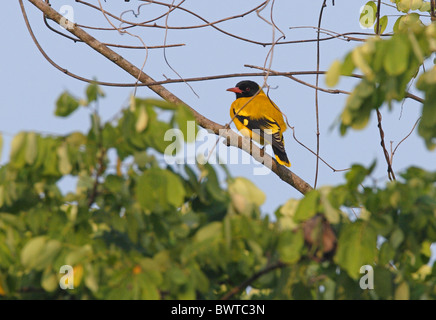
point(285, 174)
point(432, 10)
point(254, 277)
point(324, 4)
point(377, 26)
point(391, 173)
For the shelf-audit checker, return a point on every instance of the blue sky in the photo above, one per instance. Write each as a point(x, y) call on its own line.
point(30, 85)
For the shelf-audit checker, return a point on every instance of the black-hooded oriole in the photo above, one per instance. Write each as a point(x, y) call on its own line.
point(258, 118)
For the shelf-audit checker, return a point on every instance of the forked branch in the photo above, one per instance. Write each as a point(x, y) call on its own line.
point(285, 174)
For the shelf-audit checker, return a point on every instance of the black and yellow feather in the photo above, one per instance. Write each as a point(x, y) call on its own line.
point(257, 117)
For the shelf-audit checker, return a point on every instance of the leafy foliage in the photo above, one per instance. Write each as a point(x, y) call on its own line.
point(388, 66)
point(134, 228)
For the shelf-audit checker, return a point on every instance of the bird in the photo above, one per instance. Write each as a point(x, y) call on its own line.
point(258, 118)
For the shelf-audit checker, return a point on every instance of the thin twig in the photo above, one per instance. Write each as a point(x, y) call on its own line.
point(432, 10)
point(132, 35)
point(290, 75)
point(324, 4)
point(377, 26)
point(313, 152)
point(257, 275)
point(395, 149)
point(164, 50)
point(391, 174)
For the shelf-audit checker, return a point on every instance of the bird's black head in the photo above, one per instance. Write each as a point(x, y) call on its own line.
point(245, 88)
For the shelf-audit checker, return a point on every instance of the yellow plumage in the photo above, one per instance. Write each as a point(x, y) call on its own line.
point(260, 114)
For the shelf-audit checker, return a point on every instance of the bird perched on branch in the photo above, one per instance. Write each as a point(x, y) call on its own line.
point(258, 118)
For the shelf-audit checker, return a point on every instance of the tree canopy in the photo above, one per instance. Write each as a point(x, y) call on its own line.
point(136, 227)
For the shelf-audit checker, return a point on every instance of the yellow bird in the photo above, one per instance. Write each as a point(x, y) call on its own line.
point(259, 118)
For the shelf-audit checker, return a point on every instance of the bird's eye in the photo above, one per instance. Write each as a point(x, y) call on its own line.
point(247, 89)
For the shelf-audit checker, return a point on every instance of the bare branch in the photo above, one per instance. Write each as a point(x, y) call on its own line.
point(250, 280)
point(395, 149)
point(391, 174)
point(248, 146)
point(324, 4)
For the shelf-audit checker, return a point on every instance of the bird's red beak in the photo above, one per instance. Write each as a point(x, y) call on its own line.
point(235, 89)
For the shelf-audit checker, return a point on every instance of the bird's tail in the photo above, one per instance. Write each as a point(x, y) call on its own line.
point(281, 156)
point(278, 146)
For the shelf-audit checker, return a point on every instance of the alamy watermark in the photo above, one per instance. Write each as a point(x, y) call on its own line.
point(367, 280)
point(67, 20)
point(367, 17)
point(67, 280)
point(205, 146)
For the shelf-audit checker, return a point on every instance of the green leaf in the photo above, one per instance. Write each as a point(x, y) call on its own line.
point(50, 252)
point(1, 145)
point(416, 4)
point(94, 132)
point(408, 21)
point(286, 213)
point(425, 7)
point(386, 254)
point(142, 121)
point(426, 127)
point(383, 282)
point(333, 73)
point(186, 122)
point(308, 206)
point(348, 66)
point(50, 160)
point(397, 55)
point(359, 105)
point(416, 47)
point(357, 246)
point(64, 164)
point(177, 276)
point(211, 230)
point(426, 249)
point(32, 251)
point(159, 190)
point(186, 293)
point(404, 5)
point(66, 104)
point(93, 92)
point(383, 23)
point(49, 280)
point(290, 245)
point(356, 176)
point(31, 147)
point(368, 14)
point(17, 155)
point(91, 281)
point(360, 56)
point(396, 238)
point(78, 255)
point(397, 23)
point(427, 124)
point(248, 190)
point(381, 223)
point(212, 184)
point(150, 292)
point(402, 292)
point(162, 104)
point(155, 133)
point(331, 213)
